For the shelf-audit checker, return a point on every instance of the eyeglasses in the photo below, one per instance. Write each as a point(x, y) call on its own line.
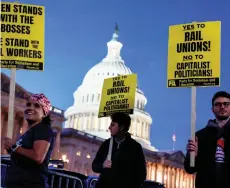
point(219, 104)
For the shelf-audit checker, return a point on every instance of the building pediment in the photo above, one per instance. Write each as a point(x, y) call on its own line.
point(177, 157)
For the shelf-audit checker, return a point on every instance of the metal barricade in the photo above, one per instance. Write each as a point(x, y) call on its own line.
point(92, 183)
point(56, 179)
point(61, 180)
point(3, 174)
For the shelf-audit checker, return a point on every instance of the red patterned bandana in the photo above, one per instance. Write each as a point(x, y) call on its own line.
point(43, 101)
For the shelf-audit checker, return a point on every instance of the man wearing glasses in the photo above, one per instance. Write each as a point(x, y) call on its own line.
point(212, 147)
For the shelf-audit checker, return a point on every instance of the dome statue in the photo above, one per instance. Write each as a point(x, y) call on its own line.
point(83, 114)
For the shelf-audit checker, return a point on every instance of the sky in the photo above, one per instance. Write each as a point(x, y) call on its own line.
point(76, 33)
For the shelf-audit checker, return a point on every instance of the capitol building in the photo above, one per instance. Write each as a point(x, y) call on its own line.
point(83, 115)
point(83, 131)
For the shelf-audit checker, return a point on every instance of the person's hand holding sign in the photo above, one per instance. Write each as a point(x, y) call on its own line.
point(107, 164)
point(192, 146)
point(7, 143)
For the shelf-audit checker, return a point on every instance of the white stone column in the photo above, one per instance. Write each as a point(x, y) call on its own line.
point(91, 121)
point(78, 122)
point(184, 180)
point(109, 122)
point(85, 122)
point(95, 124)
point(177, 176)
point(134, 126)
point(161, 179)
point(99, 124)
point(103, 122)
point(131, 127)
point(56, 150)
point(190, 182)
point(142, 129)
point(181, 179)
point(193, 181)
point(168, 177)
point(184, 184)
point(187, 181)
point(75, 122)
point(70, 121)
point(153, 172)
point(163, 174)
point(150, 170)
point(156, 169)
point(81, 122)
point(82, 168)
point(171, 178)
point(138, 128)
point(82, 164)
point(147, 131)
point(67, 123)
point(88, 121)
point(71, 156)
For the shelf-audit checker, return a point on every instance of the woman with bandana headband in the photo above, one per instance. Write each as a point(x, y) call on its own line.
point(30, 155)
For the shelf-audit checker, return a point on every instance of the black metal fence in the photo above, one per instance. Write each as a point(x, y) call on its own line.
point(59, 178)
point(56, 179)
point(3, 174)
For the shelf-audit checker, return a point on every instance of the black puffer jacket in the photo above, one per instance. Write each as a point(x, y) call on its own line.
point(207, 174)
point(128, 165)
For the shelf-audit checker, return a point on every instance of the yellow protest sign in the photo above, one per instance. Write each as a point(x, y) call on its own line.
point(194, 54)
point(118, 95)
point(22, 36)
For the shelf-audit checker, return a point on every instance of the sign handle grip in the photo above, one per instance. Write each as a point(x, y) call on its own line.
point(11, 103)
point(193, 123)
point(109, 156)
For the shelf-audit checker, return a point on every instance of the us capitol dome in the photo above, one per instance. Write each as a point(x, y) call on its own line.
point(83, 115)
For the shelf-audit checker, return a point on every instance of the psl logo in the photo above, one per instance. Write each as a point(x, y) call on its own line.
point(172, 83)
